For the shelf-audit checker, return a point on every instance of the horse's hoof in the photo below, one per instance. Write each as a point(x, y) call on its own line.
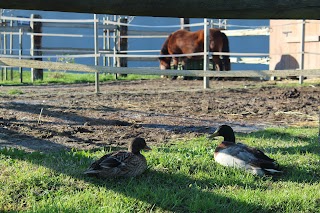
point(174, 77)
point(186, 78)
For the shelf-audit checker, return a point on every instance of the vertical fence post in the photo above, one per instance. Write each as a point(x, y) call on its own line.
point(303, 32)
point(183, 22)
point(96, 51)
point(5, 73)
point(36, 43)
point(122, 43)
point(20, 53)
point(108, 44)
point(1, 23)
point(10, 48)
point(104, 43)
point(115, 34)
point(2, 74)
point(206, 43)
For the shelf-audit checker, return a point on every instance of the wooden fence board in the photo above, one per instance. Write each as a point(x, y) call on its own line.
point(152, 70)
point(245, 9)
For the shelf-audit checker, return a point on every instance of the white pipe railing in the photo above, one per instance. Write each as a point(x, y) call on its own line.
point(108, 53)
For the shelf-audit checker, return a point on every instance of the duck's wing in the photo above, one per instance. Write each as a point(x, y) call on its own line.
point(244, 153)
point(257, 153)
point(115, 160)
point(108, 161)
point(257, 158)
point(237, 150)
point(242, 156)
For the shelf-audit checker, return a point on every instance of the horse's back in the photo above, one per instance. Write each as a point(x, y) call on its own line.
point(183, 41)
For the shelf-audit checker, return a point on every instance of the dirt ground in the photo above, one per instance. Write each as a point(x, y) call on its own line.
point(55, 117)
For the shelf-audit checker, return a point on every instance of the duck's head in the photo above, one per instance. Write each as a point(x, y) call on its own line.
point(137, 145)
point(226, 132)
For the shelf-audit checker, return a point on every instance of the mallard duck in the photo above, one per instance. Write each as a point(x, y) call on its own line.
point(121, 163)
point(230, 153)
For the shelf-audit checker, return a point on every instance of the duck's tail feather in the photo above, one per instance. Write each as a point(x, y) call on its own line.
point(268, 167)
point(91, 171)
point(272, 172)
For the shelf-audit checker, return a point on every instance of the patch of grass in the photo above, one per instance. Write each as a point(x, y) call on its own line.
point(69, 78)
point(182, 177)
point(15, 92)
point(295, 83)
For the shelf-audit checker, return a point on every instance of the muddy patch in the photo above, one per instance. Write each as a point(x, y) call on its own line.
point(62, 117)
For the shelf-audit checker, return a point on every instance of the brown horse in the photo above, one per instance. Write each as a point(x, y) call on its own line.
point(185, 42)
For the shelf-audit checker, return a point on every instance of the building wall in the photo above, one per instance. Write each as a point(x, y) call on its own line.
point(285, 44)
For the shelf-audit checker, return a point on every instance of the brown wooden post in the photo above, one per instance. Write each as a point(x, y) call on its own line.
point(5, 70)
point(36, 45)
point(20, 54)
point(122, 43)
point(11, 48)
point(184, 21)
point(96, 51)
point(104, 43)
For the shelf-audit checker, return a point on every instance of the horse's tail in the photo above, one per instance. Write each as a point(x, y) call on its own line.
point(225, 48)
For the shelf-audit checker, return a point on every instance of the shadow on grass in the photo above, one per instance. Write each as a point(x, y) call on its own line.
point(300, 174)
point(169, 192)
point(290, 139)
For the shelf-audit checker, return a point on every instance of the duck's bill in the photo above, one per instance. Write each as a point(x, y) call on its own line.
point(146, 148)
point(215, 134)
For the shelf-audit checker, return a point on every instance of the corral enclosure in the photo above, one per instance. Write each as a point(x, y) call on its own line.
point(166, 113)
point(108, 49)
point(145, 33)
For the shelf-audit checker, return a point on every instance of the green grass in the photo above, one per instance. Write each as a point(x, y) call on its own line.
point(67, 78)
point(15, 92)
point(295, 83)
point(182, 177)
point(72, 78)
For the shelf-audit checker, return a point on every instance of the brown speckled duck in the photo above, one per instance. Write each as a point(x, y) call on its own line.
point(230, 153)
point(121, 163)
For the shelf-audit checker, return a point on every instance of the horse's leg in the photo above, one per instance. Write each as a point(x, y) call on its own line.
point(217, 62)
point(183, 63)
point(175, 62)
point(164, 64)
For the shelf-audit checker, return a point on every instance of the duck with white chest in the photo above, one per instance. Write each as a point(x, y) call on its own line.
point(238, 155)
